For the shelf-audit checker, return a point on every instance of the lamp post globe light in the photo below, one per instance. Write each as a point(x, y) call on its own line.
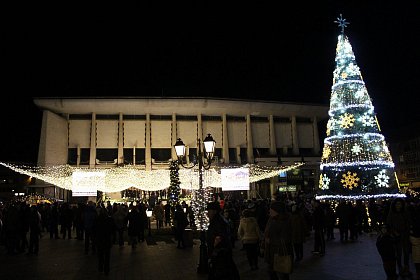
point(209, 145)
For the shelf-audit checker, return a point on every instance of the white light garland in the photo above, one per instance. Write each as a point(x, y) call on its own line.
point(121, 178)
point(359, 197)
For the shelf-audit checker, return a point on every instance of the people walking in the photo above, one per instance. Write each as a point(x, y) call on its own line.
point(104, 228)
point(134, 226)
point(319, 228)
point(250, 235)
point(119, 218)
point(35, 230)
point(89, 217)
point(219, 246)
point(299, 229)
point(159, 214)
point(277, 237)
point(181, 222)
point(400, 223)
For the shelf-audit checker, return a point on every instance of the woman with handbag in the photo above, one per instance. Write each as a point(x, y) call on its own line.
point(278, 242)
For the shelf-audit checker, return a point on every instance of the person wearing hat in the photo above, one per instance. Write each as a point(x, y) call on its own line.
point(219, 246)
point(277, 237)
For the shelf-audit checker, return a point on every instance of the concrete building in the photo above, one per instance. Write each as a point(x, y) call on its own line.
point(105, 132)
point(407, 162)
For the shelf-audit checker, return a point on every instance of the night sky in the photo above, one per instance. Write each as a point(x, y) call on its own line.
point(266, 53)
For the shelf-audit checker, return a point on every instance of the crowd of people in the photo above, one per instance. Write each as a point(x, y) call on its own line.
point(264, 228)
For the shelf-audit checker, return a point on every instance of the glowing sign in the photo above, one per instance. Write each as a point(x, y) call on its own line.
point(235, 179)
point(85, 183)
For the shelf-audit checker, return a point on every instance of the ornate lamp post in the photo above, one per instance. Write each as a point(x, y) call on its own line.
point(209, 145)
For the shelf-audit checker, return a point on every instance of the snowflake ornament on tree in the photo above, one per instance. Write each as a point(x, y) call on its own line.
point(382, 179)
point(367, 120)
point(350, 180)
point(324, 182)
point(346, 120)
point(356, 149)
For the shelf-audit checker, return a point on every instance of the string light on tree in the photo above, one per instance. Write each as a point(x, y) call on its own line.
point(355, 157)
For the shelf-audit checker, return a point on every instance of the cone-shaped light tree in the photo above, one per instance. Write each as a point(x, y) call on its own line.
point(356, 162)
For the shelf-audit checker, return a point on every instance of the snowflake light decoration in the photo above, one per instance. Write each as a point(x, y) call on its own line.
point(382, 179)
point(357, 149)
point(346, 120)
point(360, 93)
point(367, 120)
point(350, 180)
point(324, 182)
point(326, 152)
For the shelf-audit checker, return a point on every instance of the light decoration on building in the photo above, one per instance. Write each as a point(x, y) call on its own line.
point(120, 178)
point(356, 157)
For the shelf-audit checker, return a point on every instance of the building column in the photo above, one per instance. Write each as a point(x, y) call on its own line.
point(174, 137)
point(120, 158)
point(295, 141)
point(92, 158)
point(316, 136)
point(249, 142)
point(199, 127)
point(225, 147)
point(78, 156)
point(148, 151)
point(273, 150)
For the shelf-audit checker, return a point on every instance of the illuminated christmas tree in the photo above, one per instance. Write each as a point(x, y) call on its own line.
point(174, 187)
point(356, 162)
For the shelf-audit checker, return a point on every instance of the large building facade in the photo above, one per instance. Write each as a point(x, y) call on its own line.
point(108, 132)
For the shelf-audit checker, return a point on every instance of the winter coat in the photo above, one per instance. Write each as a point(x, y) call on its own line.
point(299, 227)
point(278, 237)
point(248, 230)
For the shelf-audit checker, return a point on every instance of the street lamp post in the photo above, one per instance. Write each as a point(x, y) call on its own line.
point(209, 145)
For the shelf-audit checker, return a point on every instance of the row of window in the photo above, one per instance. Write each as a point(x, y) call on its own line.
point(163, 155)
point(191, 118)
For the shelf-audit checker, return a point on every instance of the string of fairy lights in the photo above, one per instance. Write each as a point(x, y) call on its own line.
point(116, 179)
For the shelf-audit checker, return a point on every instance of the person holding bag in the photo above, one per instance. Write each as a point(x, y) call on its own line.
point(278, 242)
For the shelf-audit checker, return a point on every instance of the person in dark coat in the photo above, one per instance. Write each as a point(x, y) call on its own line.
point(89, 217)
point(167, 209)
point(298, 231)
point(219, 246)
point(35, 230)
point(343, 215)
point(66, 219)
point(104, 229)
point(399, 221)
point(385, 244)
point(134, 226)
point(54, 220)
point(319, 227)
point(277, 237)
point(181, 222)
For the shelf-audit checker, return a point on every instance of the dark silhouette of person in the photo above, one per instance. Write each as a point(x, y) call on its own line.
point(181, 222)
point(167, 209)
point(89, 217)
point(35, 230)
point(219, 245)
point(104, 229)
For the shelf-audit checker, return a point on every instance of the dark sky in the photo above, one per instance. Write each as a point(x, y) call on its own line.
point(267, 53)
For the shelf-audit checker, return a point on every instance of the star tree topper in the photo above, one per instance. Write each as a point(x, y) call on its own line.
point(342, 23)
